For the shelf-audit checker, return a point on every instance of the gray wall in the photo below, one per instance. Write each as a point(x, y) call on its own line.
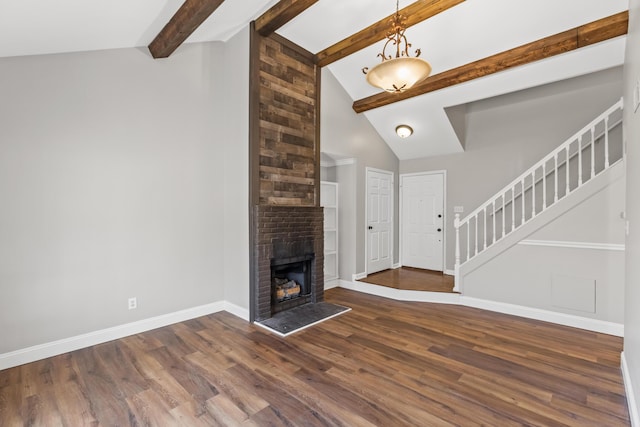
point(505, 135)
point(632, 134)
point(350, 135)
point(235, 143)
point(564, 279)
point(112, 187)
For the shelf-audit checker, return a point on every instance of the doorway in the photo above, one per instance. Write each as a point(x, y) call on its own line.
point(422, 220)
point(379, 233)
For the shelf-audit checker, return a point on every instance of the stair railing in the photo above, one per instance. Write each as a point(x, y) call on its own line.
point(579, 159)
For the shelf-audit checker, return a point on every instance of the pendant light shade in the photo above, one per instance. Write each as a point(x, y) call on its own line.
point(399, 73)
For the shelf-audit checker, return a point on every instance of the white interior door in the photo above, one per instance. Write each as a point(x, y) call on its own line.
point(422, 220)
point(379, 220)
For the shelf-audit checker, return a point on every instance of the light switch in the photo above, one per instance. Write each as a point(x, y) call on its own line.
point(458, 209)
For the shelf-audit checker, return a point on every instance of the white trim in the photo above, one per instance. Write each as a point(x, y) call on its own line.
point(442, 172)
point(574, 245)
point(330, 284)
point(344, 283)
point(366, 214)
point(628, 388)
point(396, 266)
point(281, 335)
point(236, 310)
point(595, 325)
point(401, 294)
point(345, 162)
point(450, 272)
point(65, 345)
point(358, 276)
point(339, 162)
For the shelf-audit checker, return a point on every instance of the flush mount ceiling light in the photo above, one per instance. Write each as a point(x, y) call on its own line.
point(402, 72)
point(404, 131)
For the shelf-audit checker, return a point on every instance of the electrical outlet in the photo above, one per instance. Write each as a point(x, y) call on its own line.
point(133, 303)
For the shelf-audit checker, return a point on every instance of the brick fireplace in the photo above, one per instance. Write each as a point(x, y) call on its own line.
point(287, 260)
point(287, 235)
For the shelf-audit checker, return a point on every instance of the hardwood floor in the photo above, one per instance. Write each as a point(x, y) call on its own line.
point(385, 363)
point(415, 279)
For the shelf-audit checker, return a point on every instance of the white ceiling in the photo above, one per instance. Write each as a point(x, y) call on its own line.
point(469, 31)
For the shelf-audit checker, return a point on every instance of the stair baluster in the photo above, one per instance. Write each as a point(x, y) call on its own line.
point(555, 178)
point(593, 153)
point(606, 143)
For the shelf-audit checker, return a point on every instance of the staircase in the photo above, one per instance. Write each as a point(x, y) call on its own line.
point(582, 165)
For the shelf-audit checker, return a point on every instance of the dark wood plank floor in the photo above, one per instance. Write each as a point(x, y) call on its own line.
point(414, 279)
point(385, 363)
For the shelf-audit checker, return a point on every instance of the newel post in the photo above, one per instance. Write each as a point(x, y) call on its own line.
point(456, 225)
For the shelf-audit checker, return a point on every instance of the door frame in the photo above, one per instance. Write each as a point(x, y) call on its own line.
point(366, 215)
point(442, 172)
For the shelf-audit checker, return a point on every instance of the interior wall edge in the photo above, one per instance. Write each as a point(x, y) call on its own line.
point(628, 387)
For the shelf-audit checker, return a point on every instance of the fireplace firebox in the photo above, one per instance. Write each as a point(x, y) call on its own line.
point(291, 282)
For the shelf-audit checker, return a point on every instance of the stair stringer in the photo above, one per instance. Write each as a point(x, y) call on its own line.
point(579, 195)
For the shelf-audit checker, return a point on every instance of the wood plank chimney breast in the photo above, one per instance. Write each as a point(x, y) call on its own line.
point(287, 221)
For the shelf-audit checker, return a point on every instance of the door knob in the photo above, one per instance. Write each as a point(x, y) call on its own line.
point(370, 227)
point(439, 229)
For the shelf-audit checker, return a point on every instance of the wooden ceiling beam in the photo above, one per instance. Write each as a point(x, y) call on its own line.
point(281, 13)
point(414, 13)
point(191, 14)
point(584, 35)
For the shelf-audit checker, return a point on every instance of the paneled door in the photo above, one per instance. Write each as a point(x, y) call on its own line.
point(422, 220)
point(379, 220)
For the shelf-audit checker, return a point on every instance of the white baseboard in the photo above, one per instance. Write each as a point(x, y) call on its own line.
point(450, 272)
point(344, 283)
point(395, 266)
point(628, 387)
point(236, 310)
point(595, 325)
point(330, 284)
point(42, 351)
point(358, 276)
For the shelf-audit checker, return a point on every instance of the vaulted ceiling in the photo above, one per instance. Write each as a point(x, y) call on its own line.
point(477, 48)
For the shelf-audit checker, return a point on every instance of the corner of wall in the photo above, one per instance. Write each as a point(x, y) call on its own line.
point(629, 390)
point(234, 111)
